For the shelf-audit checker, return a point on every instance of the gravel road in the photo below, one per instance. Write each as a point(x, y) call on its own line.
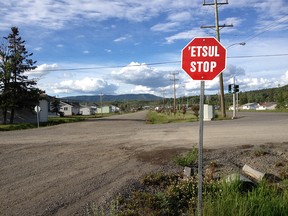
point(58, 170)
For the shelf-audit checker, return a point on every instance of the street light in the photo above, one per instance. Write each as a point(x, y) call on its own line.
point(242, 44)
point(235, 94)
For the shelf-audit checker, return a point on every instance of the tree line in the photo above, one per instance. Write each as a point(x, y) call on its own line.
point(278, 95)
point(16, 90)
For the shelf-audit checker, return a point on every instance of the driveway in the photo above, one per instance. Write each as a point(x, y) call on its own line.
point(58, 170)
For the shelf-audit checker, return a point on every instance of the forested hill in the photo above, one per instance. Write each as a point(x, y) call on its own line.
point(279, 95)
point(110, 98)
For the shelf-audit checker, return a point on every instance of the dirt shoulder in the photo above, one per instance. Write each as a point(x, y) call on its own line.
point(59, 170)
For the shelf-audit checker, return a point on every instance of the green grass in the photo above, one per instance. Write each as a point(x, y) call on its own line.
point(187, 159)
point(20, 126)
point(162, 118)
point(165, 194)
point(51, 121)
point(61, 120)
point(231, 200)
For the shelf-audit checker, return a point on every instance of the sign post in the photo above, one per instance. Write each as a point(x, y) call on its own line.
point(37, 109)
point(203, 59)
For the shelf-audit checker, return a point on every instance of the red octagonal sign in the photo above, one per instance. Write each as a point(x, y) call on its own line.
point(203, 58)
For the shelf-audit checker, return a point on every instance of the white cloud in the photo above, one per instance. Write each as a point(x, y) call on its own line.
point(187, 35)
point(37, 48)
point(86, 85)
point(120, 39)
point(139, 89)
point(284, 78)
point(165, 27)
point(142, 75)
point(235, 21)
point(42, 70)
point(180, 17)
point(175, 21)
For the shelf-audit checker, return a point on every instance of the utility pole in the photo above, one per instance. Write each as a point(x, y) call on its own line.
point(234, 100)
point(101, 95)
point(163, 92)
point(217, 28)
point(174, 81)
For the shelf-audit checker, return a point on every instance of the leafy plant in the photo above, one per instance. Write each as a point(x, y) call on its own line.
point(188, 159)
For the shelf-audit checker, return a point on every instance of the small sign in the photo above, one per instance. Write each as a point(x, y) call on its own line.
point(37, 109)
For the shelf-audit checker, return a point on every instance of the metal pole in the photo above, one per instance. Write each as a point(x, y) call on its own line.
point(200, 149)
point(37, 107)
point(101, 103)
point(234, 100)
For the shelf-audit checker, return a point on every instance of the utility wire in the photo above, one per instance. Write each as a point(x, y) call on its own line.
point(268, 27)
point(157, 63)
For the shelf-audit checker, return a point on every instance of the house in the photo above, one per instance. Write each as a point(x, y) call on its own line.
point(232, 107)
point(44, 108)
point(69, 108)
point(250, 106)
point(88, 110)
point(25, 115)
point(108, 109)
point(267, 106)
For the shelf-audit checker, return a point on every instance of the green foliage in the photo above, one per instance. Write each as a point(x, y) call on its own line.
point(161, 194)
point(188, 159)
point(22, 126)
point(55, 105)
point(17, 91)
point(62, 120)
point(260, 152)
point(230, 200)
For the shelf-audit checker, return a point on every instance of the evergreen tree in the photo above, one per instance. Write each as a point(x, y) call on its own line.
point(55, 105)
point(17, 91)
point(4, 81)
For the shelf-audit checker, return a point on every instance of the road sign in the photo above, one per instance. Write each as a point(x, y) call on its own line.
point(203, 58)
point(37, 108)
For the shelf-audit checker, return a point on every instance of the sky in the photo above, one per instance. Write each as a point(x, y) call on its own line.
point(87, 47)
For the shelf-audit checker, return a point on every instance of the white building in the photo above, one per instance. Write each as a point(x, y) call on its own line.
point(87, 110)
point(69, 108)
point(250, 106)
point(108, 109)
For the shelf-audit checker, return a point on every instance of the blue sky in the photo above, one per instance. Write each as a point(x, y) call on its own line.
point(87, 47)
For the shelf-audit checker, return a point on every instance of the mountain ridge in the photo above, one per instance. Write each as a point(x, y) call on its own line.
point(111, 98)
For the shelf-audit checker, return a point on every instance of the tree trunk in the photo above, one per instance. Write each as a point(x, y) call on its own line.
point(4, 116)
point(12, 116)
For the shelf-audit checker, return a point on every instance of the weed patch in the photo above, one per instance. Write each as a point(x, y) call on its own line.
point(188, 159)
point(162, 118)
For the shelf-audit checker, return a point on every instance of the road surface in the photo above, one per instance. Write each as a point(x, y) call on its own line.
point(58, 170)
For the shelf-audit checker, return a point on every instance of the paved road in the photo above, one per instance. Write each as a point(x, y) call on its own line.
point(58, 170)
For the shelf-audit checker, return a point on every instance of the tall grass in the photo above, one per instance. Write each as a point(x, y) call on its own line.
point(232, 200)
point(162, 194)
point(20, 126)
point(187, 159)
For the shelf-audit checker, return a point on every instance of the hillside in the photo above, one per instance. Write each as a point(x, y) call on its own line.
point(111, 98)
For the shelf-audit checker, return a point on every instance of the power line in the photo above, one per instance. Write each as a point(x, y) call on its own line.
point(267, 28)
point(259, 56)
point(156, 63)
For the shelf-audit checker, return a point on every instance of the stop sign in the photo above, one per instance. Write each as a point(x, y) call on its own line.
point(203, 58)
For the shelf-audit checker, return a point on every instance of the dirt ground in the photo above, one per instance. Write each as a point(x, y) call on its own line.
point(59, 170)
